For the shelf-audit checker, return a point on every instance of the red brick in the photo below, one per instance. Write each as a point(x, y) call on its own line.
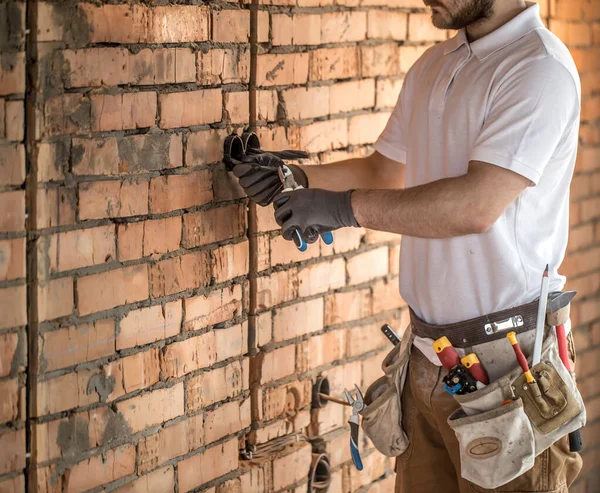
point(384, 24)
point(334, 63)
point(291, 397)
point(237, 107)
point(81, 248)
point(590, 209)
point(369, 265)
point(387, 92)
point(300, 29)
point(12, 451)
point(77, 344)
point(180, 358)
point(139, 153)
point(170, 442)
point(347, 306)
point(589, 158)
point(352, 96)
point(204, 147)
point(123, 111)
point(67, 114)
point(341, 27)
point(12, 73)
point(231, 342)
point(206, 466)
point(364, 339)
point(159, 480)
point(152, 67)
point(297, 320)
point(172, 192)
point(409, 55)
point(130, 238)
point(230, 418)
point(139, 24)
point(55, 299)
point(97, 67)
point(9, 352)
point(283, 69)
point(262, 253)
point(278, 364)
point(321, 136)
point(140, 370)
point(292, 467)
point(95, 156)
point(183, 109)
point(13, 306)
point(179, 274)
point(580, 237)
point(211, 226)
point(13, 206)
point(230, 261)
point(267, 106)
point(12, 164)
point(102, 199)
point(2, 118)
point(150, 324)
point(219, 306)
point(9, 405)
point(55, 207)
point(152, 408)
point(161, 236)
point(15, 120)
point(306, 102)
point(379, 60)
point(231, 26)
point(12, 259)
point(72, 388)
point(102, 469)
point(322, 277)
point(113, 288)
point(224, 66)
point(13, 485)
point(217, 385)
point(320, 350)
point(266, 219)
point(277, 288)
point(580, 263)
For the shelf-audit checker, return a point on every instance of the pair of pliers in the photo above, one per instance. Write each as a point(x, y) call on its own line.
point(358, 405)
point(290, 184)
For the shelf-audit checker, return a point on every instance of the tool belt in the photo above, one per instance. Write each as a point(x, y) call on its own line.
point(480, 330)
point(501, 427)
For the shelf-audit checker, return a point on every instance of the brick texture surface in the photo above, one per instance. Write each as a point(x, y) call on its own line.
point(137, 268)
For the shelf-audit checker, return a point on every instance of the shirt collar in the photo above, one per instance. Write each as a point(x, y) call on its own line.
point(516, 28)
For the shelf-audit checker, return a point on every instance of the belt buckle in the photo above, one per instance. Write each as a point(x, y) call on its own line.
point(509, 323)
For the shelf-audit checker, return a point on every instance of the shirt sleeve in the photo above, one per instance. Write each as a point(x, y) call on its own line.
point(392, 143)
point(528, 117)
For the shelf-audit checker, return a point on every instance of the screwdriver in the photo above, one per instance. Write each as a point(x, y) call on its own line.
point(512, 337)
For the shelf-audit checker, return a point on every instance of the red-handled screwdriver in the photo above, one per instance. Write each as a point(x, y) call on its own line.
point(512, 337)
point(446, 353)
point(472, 363)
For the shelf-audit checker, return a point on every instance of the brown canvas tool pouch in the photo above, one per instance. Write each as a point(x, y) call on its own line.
point(382, 415)
point(499, 441)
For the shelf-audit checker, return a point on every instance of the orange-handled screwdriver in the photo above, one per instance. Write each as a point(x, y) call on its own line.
point(512, 337)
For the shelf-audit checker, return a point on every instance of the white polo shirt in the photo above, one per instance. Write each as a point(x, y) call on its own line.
point(512, 99)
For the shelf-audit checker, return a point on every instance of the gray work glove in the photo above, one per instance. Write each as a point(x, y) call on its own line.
point(313, 211)
point(258, 176)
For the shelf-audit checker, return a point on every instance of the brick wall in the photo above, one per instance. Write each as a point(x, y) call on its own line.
point(169, 325)
point(577, 23)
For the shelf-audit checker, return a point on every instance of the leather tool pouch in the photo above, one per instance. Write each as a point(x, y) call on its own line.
point(382, 415)
point(500, 442)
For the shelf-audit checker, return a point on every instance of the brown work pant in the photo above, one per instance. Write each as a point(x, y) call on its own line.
point(431, 464)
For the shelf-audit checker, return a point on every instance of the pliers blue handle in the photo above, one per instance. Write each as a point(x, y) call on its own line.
point(357, 406)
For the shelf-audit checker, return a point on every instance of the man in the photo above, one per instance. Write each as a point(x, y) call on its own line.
point(473, 169)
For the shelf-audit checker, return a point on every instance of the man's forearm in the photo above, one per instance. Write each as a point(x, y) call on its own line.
point(374, 172)
point(440, 209)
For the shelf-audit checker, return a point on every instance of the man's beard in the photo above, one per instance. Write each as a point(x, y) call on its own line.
point(464, 13)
